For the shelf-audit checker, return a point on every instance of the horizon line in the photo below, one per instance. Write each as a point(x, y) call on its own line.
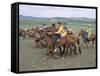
point(55, 17)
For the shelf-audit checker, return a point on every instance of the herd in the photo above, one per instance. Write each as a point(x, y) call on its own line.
point(71, 42)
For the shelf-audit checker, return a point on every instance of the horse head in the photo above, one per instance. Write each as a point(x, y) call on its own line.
point(81, 32)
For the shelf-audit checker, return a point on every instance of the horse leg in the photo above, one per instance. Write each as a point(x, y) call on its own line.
point(35, 44)
point(63, 49)
point(41, 46)
point(49, 52)
point(78, 42)
point(67, 48)
point(23, 37)
point(74, 46)
point(60, 51)
point(86, 43)
point(71, 49)
point(93, 43)
point(38, 44)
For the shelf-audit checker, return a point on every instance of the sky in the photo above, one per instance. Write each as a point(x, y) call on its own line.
point(49, 11)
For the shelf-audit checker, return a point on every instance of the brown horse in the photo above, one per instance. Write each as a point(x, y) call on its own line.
point(67, 42)
point(61, 44)
point(49, 34)
point(71, 41)
point(37, 38)
point(22, 33)
point(87, 40)
point(49, 43)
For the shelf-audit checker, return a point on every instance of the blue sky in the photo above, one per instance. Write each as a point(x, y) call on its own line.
point(48, 11)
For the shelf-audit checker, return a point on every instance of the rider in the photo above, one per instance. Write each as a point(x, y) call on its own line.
point(60, 33)
point(88, 31)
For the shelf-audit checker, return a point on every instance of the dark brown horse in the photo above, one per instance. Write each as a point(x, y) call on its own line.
point(87, 40)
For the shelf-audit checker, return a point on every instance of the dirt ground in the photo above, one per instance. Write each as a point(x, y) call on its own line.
point(31, 59)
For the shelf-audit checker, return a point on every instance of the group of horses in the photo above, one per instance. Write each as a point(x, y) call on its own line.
point(71, 42)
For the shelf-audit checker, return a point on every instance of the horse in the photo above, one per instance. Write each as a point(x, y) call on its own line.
point(22, 33)
point(37, 38)
point(71, 40)
point(49, 43)
point(93, 38)
point(31, 34)
point(86, 40)
point(66, 43)
point(61, 44)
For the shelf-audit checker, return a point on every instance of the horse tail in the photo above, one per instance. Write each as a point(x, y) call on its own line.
point(78, 42)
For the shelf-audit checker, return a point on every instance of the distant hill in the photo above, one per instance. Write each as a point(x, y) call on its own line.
point(29, 17)
point(56, 18)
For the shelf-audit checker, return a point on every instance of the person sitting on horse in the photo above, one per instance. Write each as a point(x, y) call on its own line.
point(58, 34)
point(61, 31)
point(88, 31)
